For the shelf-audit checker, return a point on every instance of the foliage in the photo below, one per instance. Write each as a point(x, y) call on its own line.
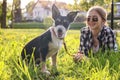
point(117, 0)
point(17, 10)
point(77, 25)
point(76, 6)
point(116, 24)
point(102, 66)
point(46, 24)
point(48, 21)
point(29, 7)
point(28, 25)
point(86, 4)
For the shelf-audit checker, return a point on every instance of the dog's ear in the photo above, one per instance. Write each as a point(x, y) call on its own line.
point(55, 12)
point(71, 16)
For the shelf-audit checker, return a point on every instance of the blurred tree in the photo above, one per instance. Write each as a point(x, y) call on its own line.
point(17, 16)
point(117, 0)
point(86, 4)
point(76, 6)
point(29, 6)
point(3, 15)
point(9, 15)
point(107, 5)
point(0, 12)
point(69, 7)
point(12, 15)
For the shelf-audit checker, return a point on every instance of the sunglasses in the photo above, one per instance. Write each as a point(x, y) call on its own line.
point(94, 19)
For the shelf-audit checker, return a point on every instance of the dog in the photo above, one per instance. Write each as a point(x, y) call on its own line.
point(49, 43)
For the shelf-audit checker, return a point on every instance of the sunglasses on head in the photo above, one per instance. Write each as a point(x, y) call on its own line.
point(94, 19)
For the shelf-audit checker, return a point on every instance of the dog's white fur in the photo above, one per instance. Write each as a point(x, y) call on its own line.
point(55, 45)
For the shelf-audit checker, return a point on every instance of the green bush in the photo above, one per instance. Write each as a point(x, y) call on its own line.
point(77, 25)
point(116, 24)
point(47, 22)
point(28, 25)
point(115, 18)
point(45, 25)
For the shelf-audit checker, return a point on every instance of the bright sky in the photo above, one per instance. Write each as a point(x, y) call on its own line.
point(25, 2)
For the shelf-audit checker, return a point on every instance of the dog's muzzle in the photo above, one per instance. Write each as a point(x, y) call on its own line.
point(60, 33)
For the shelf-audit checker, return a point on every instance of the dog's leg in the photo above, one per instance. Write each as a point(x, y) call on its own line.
point(43, 65)
point(54, 64)
point(54, 58)
point(44, 68)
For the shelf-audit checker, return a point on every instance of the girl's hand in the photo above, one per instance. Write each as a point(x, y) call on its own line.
point(78, 57)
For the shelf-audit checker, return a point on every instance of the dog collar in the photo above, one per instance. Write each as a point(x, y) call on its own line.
point(53, 32)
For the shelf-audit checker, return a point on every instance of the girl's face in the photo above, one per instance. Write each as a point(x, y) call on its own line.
point(94, 21)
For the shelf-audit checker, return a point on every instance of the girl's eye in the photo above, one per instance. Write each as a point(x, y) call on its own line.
point(94, 19)
point(88, 19)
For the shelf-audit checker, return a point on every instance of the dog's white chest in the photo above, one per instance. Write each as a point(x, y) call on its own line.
point(54, 47)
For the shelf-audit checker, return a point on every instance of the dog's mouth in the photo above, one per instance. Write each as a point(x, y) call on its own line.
point(60, 34)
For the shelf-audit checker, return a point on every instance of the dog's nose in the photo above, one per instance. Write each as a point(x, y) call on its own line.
point(59, 30)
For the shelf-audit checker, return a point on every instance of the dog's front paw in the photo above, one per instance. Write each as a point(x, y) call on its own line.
point(46, 72)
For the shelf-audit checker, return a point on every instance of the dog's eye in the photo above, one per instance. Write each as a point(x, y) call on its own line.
point(65, 23)
point(58, 20)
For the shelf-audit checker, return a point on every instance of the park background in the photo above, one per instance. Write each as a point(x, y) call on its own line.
point(18, 25)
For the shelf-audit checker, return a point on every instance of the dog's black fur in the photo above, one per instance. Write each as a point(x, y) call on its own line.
point(48, 44)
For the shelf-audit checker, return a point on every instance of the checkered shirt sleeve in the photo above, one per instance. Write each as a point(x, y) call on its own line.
point(85, 43)
point(110, 39)
point(107, 40)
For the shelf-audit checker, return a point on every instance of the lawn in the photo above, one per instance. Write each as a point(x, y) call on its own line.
point(103, 66)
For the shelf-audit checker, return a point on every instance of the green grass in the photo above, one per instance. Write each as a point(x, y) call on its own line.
point(103, 66)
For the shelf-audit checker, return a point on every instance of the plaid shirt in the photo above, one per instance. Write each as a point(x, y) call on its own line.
point(105, 37)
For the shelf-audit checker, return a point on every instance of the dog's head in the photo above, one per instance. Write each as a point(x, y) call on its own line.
point(62, 22)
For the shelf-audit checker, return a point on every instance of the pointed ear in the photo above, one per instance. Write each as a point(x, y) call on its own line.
point(55, 12)
point(71, 16)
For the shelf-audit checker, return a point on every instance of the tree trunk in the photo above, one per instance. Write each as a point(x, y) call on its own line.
point(3, 17)
point(17, 11)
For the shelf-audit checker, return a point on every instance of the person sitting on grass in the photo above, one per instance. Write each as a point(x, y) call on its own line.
point(97, 35)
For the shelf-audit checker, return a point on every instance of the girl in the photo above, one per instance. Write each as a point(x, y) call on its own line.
point(97, 35)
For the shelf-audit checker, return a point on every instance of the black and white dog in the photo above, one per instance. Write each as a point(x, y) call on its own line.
point(48, 44)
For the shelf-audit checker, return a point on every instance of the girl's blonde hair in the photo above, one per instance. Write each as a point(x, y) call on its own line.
point(101, 11)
